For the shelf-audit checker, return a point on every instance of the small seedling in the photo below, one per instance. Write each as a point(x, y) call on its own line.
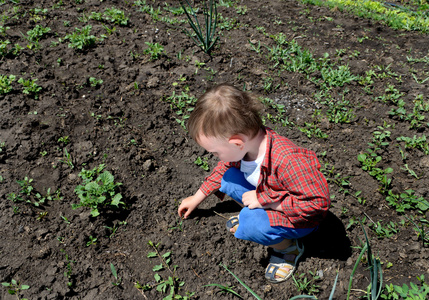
point(92, 241)
point(81, 38)
point(225, 289)
point(30, 87)
point(115, 274)
point(155, 50)
point(202, 163)
point(15, 288)
point(94, 81)
point(68, 272)
point(6, 83)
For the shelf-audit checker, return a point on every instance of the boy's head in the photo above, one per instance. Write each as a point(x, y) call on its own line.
point(224, 111)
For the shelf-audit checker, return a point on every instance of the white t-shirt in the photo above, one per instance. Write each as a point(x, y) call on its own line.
point(252, 170)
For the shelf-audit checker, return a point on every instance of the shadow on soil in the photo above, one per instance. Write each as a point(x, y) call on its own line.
point(330, 241)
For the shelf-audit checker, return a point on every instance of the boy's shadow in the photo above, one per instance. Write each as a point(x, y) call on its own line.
point(329, 241)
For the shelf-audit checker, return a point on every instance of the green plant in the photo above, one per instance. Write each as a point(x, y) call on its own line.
point(171, 284)
point(182, 105)
point(64, 139)
point(6, 83)
point(30, 195)
point(94, 81)
point(81, 38)
point(36, 33)
point(116, 16)
point(384, 230)
point(99, 192)
point(305, 285)
point(92, 241)
point(415, 142)
point(3, 47)
point(205, 38)
point(243, 284)
point(374, 266)
point(30, 87)
point(202, 163)
point(421, 233)
point(69, 269)
point(15, 288)
point(407, 201)
point(225, 289)
point(411, 292)
point(155, 50)
point(118, 280)
point(179, 226)
point(67, 159)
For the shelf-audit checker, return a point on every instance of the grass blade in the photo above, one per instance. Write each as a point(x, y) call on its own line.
point(242, 283)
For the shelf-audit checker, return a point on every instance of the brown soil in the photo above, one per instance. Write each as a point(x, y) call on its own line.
point(126, 124)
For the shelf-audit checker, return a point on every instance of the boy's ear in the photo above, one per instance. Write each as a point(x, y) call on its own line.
point(237, 140)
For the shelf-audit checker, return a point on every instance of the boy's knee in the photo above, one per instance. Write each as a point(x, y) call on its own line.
point(253, 224)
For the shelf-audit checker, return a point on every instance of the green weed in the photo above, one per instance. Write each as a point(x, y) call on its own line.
point(407, 201)
point(69, 269)
point(118, 280)
point(94, 81)
point(98, 192)
point(81, 38)
point(415, 143)
point(15, 288)
point(182, 105)
point(225, 289)
point(30, 87)
point(412, 292)
point(172, 284)
point(202, 163)
point(305, 285)
point(6, 83)
point(154, 50)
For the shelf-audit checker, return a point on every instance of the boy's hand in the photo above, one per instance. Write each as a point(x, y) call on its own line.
point(189, 204)
point(250, 200)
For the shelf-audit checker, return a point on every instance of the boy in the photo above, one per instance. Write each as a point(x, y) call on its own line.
point(279, 185)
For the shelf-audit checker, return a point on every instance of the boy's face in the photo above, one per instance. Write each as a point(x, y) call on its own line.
point(227, 150)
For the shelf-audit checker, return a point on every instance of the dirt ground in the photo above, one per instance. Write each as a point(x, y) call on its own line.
point(128, 124)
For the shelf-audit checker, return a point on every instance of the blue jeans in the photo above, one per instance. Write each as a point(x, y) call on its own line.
point(254, 223)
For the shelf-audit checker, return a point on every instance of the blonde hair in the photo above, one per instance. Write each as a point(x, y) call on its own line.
point(224, 111)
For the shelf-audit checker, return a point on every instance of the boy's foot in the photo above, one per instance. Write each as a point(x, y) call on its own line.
point(232, 224)
point(283, 263)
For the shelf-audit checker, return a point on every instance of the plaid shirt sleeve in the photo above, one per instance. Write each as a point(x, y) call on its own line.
point(212, 182)
point(293, 178)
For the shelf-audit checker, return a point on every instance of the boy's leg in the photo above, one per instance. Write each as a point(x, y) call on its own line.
point(255, 226)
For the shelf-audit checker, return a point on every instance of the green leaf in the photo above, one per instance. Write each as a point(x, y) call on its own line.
point(116, 200)
point(361, 157)
point(112, 267)
point(151, 254)
point(157, 268)
point(94, 212)
point(24, 287)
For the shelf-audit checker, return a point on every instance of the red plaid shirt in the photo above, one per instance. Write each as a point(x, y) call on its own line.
point(290, 175)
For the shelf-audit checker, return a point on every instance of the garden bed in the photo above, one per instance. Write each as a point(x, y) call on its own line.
point(115, 91)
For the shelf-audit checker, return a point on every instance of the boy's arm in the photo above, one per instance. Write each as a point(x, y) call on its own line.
point(304, 191)
point(210, 185)
point(190, 203)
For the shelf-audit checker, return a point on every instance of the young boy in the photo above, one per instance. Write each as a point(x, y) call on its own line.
point(279, 185)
